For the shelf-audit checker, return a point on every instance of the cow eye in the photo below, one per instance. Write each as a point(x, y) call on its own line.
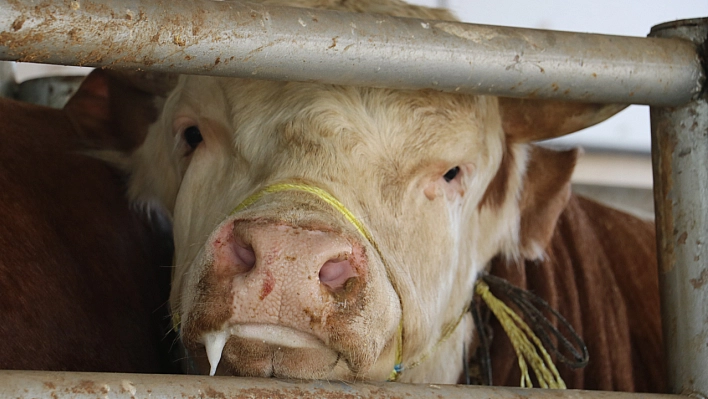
point(451, 174)
point(193, 136)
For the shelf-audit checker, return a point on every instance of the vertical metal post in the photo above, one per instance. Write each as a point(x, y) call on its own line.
point(7, 79)
point(680, 161)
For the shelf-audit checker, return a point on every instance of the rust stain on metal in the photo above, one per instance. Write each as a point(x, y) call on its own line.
point(74, 36)
point(86, 386)
point(213, 393)
point(682, 238)
point(178, 41)
point(334, 42)
point(699, 282)
point(17, 23)
point(684, 152)
point(662, 157)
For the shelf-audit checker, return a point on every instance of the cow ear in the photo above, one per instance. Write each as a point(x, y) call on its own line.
point(89, 108)
point(544, 196)
point(112, 110)
point(525, 120)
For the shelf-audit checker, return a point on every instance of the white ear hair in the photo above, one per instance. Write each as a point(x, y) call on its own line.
point(154, 169)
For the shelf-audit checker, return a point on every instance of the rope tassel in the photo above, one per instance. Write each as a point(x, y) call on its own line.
point(525, 342)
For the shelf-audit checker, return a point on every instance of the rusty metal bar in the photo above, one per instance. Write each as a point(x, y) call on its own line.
point(58, 385)
point(229, 38)
point(680, 158)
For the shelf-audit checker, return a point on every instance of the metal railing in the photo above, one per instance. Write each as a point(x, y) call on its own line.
point(59, 385)
point(237, 39)
point(666, 71)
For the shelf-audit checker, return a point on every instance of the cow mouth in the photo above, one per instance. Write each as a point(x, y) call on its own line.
point(266, 350)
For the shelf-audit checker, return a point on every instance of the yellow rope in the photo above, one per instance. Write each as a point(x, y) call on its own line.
point(324, 195)
point(332, 201)
point(525, 343)
point(447, 331)
point(398, 366)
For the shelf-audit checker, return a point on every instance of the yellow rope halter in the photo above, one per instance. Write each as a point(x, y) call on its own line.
point(332, 201)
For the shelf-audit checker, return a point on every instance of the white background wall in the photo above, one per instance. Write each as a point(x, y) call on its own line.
point(628, 130)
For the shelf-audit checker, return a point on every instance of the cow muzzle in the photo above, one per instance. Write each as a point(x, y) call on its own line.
point(285, 297)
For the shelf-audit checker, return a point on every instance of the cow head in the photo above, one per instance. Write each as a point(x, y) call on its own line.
point(287, 285)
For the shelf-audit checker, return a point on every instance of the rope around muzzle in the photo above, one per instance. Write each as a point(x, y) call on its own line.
point(336, 204)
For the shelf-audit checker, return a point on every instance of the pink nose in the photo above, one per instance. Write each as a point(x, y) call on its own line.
point(288, 256)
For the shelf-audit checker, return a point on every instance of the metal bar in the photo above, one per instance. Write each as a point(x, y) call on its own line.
point(7, 80)
point(680, 156)
point(226, 38)
point(57, 385)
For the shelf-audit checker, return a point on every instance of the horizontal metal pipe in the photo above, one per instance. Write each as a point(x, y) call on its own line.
point(227, 38)
point(57, 385)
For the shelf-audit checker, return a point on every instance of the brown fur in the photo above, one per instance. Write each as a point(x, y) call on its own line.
point(527, 120)
point(496, 192)
point(81, 288)
point(544, 196)
point(600, 272)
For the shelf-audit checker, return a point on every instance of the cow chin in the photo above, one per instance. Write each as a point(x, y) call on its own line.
point(271, 351)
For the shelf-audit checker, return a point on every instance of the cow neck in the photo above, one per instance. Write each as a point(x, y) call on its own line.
point(336, 204)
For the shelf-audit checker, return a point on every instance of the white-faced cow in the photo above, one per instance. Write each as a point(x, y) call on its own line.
point(337, 232)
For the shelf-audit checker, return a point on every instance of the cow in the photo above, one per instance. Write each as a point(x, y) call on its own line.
point(84, 275)
point(337, 232)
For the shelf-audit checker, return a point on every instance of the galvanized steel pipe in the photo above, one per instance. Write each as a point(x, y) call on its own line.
point(58, 385)
point(679, 154)
point(249, 40)
point(7, 80)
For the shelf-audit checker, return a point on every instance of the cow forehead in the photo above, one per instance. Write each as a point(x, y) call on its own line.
point(301, 117)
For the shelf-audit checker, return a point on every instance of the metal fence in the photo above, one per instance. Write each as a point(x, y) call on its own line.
point(666, 71)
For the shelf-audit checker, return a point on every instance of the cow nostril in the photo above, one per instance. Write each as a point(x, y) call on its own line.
point(334, 273)
point(244, 254)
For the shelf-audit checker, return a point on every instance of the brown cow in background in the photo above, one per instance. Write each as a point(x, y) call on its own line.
point(83, 276)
